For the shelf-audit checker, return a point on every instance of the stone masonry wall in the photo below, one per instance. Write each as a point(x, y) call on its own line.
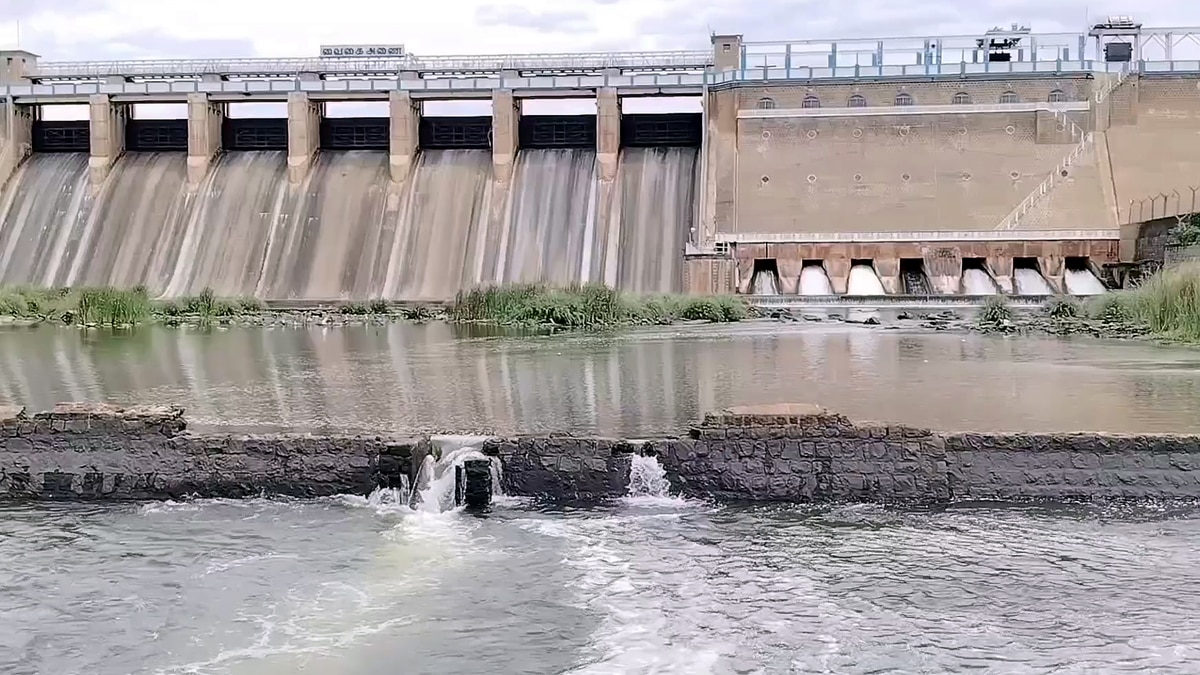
point(785, 453)
point(106, 452)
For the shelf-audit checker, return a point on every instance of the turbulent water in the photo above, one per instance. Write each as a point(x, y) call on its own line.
point(814, 281)
point(978, 282)
point(1028, 281)
point(864, 281)
point(1083, 282)
point(648, 585)
point(347, 231)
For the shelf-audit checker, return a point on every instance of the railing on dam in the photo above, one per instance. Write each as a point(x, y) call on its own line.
point(278, 89)
point(416, 65)
point(885, 237)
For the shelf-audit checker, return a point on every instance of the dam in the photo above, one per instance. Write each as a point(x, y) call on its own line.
point(1009, 162)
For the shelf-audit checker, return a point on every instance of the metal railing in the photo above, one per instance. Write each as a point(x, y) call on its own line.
point(682, 83)
point(290, 67)
point(1058, 175)
point(905, 237)
point(1173, 204)
point(947, 109)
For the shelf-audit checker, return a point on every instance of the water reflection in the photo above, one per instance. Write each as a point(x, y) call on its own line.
point(442, 378)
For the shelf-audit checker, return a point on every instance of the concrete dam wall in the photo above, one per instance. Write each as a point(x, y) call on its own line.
point(777, 454)
point(347, 231)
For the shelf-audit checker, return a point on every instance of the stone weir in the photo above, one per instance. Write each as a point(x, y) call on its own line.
point(784, 453)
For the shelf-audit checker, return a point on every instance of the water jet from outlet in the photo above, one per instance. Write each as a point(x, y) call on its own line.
point(814, 280)
point(864, 281)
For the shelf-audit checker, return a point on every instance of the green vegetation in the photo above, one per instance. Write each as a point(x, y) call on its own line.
point(995, 313)
point(1063, 307)
point(1167, 304)
point(589, 306)
point(1187, 232)
point(114, 307)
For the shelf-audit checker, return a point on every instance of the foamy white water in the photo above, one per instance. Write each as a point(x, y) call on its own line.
point(1083, 282)
point(765, 283)
point(864, 281)
point(814, 281)
point(647, 478)
point(1028, 281)
point(978, 282)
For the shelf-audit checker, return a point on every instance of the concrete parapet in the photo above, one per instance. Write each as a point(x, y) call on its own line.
point(16, 138)
point(107, 136)
point(304, 134)
point(404, 132)
point(205, 120)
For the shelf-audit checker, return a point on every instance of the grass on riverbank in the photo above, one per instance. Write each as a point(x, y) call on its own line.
point(116, 307)
point(589, 306)
point(1165, 306)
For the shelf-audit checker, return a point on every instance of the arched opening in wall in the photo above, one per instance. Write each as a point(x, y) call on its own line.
point(765, 103)
point(1079, 278)
point(857, 101)
point(904, 98)
point(1010, 97)
point(1057, 96)
point(961, 98)
point(811, 101)
point(765, 278)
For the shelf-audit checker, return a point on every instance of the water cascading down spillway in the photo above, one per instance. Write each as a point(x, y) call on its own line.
point(454, 476)
point(814, 280)
point(765, 279)
point(1028, 279)
point(976, 280)
point(863, 280)
point(346, 231)
point(1080, 280)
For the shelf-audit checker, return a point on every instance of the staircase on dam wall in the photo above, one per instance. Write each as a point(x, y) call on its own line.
point(1061, 172)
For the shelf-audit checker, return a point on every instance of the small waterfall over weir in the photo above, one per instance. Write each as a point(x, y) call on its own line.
point(647, 478)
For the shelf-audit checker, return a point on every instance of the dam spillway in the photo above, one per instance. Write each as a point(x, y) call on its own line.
point(347, 231)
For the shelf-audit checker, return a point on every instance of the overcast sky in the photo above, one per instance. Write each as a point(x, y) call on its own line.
point(136, 29)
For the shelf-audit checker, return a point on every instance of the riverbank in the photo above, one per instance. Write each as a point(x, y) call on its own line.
point(523, 306)
point(778, 453)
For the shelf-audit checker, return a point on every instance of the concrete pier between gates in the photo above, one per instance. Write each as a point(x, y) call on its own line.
point(505, 116)
point(404, 132)
point(205, 119)
point(304, 134)
point(108, 120)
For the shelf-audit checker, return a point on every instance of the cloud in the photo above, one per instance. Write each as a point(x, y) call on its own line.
point(518, 16)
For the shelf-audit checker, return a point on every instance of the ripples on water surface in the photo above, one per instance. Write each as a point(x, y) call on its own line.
point(658, 586)
point(436, 377)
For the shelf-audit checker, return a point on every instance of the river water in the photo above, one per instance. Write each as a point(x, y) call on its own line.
point(342, 587)
point(649, 585)
point(435, 377)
